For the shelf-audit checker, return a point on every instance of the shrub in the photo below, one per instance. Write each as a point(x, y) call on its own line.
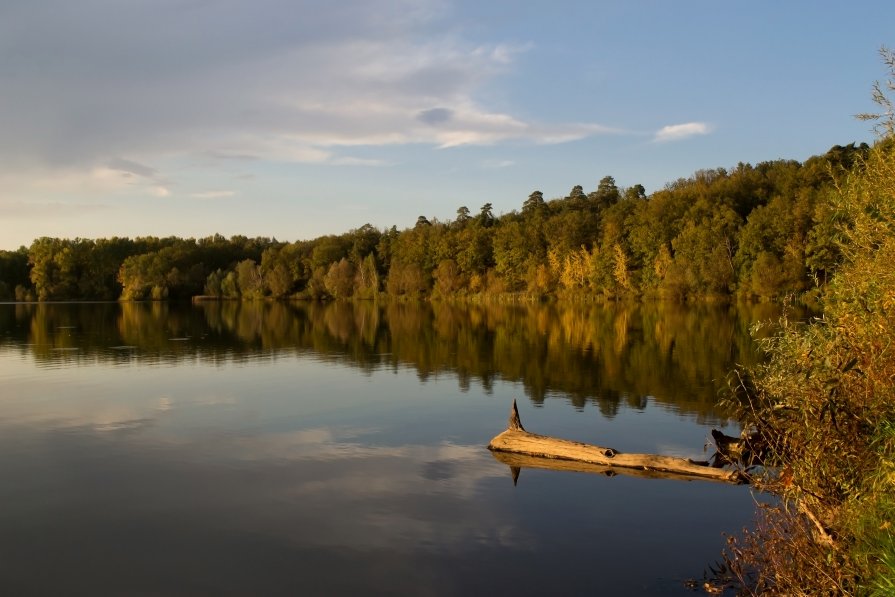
point(824, 404)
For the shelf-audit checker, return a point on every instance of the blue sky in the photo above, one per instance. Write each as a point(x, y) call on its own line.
point(298, 118)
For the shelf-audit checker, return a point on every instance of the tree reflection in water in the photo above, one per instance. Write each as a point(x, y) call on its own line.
point(607, 354)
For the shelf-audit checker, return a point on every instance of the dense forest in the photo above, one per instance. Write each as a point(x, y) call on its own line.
point(759, 231)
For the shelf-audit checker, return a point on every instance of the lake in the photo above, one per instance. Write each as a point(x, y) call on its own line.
point(339, 449)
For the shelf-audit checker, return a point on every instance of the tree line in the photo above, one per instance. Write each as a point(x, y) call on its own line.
point(760, 231)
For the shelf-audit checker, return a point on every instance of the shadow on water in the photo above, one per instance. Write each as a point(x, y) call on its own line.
point(607, 355)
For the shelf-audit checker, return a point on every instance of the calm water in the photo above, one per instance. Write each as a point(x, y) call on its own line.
point(241, 449)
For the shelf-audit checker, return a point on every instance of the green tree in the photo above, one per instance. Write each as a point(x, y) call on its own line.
point(277, 275)
point(13, 272)
point(511, 254)
point(768, 279)
point(607, 193)
point(367, 280)
point(328, 250)
point(339, 280)
point(486, 216)
point(278, 280)
point(448, 278)
point(706, 248)
point(56, 267)
point(635, 193)
point(363, 243)
point(475, 250)
point(462, 216)
point(213, 284)
point(408, 279)
point(576, 194)
point(230, 286)
point(534, 204)
point(145, 276)
point(249, 279)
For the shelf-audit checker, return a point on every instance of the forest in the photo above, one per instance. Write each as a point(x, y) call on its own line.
point(759, 232)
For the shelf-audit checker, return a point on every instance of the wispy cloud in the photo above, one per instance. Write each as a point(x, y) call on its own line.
point(312, 78)
point(132, 168)
point(64, 182)
point(139, 174)
point(676, 132)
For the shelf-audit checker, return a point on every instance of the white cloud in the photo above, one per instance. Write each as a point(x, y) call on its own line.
point(676, 132)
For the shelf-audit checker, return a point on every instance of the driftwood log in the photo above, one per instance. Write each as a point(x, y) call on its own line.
point(518, 448)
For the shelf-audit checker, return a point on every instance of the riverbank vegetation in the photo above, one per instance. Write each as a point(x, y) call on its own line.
point(762, 231)
point(824, 404)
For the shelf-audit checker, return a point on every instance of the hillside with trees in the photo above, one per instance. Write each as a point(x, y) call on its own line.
point(760, 231)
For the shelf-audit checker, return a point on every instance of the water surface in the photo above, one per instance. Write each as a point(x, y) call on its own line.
point(282, 449)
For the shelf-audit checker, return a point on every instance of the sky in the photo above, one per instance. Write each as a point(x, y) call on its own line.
point(293, 119)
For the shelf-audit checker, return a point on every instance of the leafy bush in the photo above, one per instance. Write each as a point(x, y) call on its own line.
point(824, 404)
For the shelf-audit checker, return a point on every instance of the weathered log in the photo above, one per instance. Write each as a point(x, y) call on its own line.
point(517, 462)
point(555, 453)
